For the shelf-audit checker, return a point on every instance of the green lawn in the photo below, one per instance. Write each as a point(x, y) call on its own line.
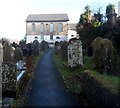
point(73, 82)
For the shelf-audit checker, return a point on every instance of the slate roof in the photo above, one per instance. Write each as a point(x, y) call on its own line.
point(47, 18)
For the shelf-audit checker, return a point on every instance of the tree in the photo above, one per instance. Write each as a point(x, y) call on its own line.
point(3, 40)
point(88, 28)
point(110, 13)
point(86, 17)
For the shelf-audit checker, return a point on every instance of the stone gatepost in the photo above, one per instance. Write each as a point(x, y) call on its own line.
point(1, 60)
point(75, 54)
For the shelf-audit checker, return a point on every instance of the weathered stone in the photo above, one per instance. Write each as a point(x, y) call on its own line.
point(1, 60)
point(105, 56)
point(18, 54)
point(75, 54)
point(35, 46)
point(44, 45)
point(9, 79)
point(64, 50)
point(7, 52)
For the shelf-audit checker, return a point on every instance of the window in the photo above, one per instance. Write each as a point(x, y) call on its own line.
point(60, 28)
point(33, 27)
point(42, 28)
point(51, 27)
point(57, 37)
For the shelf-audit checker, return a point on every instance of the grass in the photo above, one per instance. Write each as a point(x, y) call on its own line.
point(70, 79)
point(68, 74)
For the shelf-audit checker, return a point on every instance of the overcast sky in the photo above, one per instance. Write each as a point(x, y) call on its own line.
point(13, 13)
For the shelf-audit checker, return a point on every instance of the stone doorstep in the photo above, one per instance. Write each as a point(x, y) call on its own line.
point(8, 101)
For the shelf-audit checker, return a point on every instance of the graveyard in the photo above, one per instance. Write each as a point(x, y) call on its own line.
point(81, 72)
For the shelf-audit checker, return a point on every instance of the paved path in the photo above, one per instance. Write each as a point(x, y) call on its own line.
point(48, 88)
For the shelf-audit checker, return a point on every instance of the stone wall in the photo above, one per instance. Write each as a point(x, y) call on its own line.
point(96, 92)
point(75, 54)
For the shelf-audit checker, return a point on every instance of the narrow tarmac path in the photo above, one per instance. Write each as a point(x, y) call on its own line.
point(48, 88)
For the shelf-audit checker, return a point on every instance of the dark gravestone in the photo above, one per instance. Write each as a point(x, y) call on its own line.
point(35, 46)
point(105, 56)
point(7, 52)
point(18, 54)
point(44, 45)
point(64, 50)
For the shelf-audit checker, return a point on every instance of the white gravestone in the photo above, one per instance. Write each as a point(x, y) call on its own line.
point(75, 54)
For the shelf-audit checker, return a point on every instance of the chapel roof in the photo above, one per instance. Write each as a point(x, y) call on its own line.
point(47, 18)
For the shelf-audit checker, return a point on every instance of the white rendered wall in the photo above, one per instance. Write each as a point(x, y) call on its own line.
point(119, 8)
point(70, 33)
point(31, 38)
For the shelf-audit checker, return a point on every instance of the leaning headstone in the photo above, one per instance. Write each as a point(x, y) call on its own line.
point(75, 54)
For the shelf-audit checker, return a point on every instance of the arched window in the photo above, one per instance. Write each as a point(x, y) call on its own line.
point(42, 28)
point(33, 27)
point(51, 27)
point(60, 27)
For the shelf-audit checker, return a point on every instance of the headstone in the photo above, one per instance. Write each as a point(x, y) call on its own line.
point(35, 46)
point(18, 54)
point(56, 47)
point(105, 57)
point(7, 52)
point(75, 54)
point(64, 50)
point(1, 60)
point(9, 79)
point(43, 45)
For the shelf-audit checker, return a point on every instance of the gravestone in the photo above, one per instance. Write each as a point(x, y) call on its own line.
point(75, 54)
point(44, 45)
point(29, 58)
point(35, 46)
point(1, 60)
point(18, 54)
point(64, 50)
point(9, 79)
point(56, 47)
point(7, 57)
point(105, 57)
